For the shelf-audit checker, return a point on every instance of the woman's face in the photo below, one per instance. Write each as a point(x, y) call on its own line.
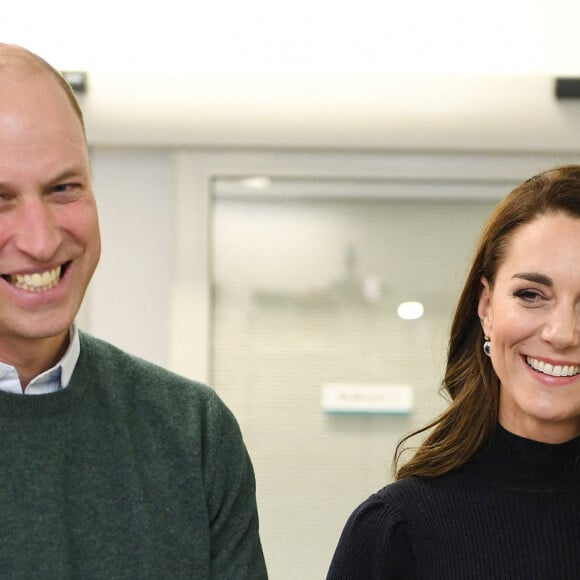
point(532, 318)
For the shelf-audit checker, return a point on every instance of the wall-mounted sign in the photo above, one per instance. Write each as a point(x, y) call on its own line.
point(367, 398)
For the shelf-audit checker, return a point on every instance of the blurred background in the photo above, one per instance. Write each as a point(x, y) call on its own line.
point(275, 179)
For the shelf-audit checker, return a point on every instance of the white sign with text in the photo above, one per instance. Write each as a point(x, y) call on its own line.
point(367, 398)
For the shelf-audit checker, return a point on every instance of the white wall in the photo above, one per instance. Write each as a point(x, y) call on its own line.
point(130, 295)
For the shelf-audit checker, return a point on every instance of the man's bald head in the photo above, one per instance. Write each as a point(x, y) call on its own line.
point(17, 60)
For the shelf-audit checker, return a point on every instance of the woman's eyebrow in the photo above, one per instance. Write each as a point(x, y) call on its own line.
point(535, 277)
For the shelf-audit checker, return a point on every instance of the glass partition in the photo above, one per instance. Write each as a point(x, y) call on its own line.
point(308, 277)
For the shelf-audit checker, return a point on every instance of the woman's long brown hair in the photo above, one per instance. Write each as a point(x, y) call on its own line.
point(468, 423)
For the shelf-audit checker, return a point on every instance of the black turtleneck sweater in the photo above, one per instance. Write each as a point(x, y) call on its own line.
point(513, 512)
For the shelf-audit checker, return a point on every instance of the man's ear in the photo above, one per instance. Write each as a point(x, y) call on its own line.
point(484, 307)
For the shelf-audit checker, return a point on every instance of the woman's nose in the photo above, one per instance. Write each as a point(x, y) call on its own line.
point(562, 328)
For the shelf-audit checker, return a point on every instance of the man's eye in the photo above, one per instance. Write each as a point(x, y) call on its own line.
point(61, 187)
point(65, 191)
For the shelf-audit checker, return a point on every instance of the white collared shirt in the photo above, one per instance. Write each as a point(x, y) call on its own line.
point(49, 381)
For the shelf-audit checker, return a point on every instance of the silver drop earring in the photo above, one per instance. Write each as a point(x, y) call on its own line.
point(487, 346)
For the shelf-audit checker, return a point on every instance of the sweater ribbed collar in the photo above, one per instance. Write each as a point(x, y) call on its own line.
point(519, 462)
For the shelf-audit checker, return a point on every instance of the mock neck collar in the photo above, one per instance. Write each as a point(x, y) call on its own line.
point(516, 461)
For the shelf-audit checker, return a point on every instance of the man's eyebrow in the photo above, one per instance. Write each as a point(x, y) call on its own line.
point(72, 172)
point(535, 277)
point(68, 173)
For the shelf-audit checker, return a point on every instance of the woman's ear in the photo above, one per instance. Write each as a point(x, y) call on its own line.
point(484, 308)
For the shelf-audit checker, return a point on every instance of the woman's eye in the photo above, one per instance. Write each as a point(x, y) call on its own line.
point(527, 295)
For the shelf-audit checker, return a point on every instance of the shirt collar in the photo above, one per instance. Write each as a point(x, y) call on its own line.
point(69, 361)
point(53, 379)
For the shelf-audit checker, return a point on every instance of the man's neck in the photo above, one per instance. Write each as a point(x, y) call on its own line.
point(32, 357)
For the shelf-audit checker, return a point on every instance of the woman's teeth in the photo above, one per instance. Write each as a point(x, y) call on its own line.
point(37, 282)
point(553, 370)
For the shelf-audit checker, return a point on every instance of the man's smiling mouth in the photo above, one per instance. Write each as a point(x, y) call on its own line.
point(553, 370)
point(36, 282)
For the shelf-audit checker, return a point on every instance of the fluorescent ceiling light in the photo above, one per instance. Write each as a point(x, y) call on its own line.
point(258, 182)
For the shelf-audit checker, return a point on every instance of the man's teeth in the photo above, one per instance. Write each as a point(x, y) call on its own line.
point(37, 282)
point(553, 370)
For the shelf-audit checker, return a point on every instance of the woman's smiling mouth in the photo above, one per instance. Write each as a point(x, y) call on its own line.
point(553, 370)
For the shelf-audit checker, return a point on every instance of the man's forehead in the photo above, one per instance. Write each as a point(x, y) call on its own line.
point(19, 67)
point(23, 84)
point(35, 109)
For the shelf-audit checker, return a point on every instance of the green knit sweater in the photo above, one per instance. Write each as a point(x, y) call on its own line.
point(131, 472)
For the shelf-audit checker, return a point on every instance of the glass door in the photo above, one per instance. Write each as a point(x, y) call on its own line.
point(308, 277)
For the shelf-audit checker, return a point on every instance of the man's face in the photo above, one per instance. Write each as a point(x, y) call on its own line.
point(49, 233)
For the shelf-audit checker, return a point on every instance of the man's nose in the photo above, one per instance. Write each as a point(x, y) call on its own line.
point(37, 232)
